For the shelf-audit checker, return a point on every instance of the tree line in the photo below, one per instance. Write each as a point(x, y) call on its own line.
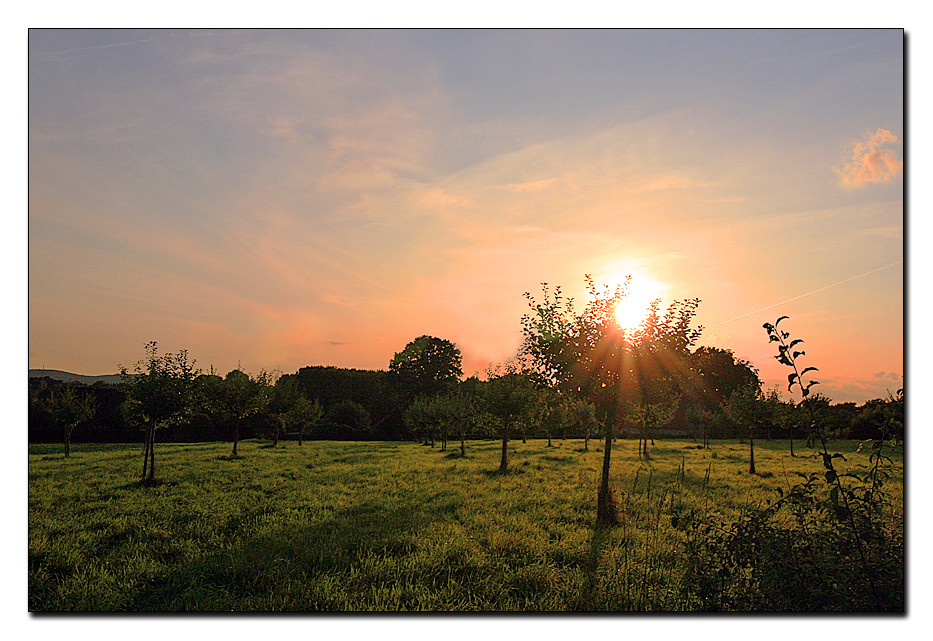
point(576, 375)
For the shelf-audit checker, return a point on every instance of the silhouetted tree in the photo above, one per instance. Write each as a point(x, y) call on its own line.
point(241, 396)
point(720, 372)
point(291, 410)
point(590, 355)
point(349, 414)
point(159, 393)
point(748, 408)
point(427, 365)
point(509, 396)
point(68, 409)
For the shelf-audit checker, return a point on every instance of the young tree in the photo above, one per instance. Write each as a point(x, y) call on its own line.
point(242, 396)
point(68, 409)
point(159, 393)
point(445, 414)
point(510, 397)
point(746, 408)
point(591, 355)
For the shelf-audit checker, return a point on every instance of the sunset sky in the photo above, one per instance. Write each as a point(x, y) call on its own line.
point(289, 198)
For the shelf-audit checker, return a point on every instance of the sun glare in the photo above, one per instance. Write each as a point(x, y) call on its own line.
point(633, 309)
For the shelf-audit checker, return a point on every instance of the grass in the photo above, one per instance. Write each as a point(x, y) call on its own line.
point(379, 526)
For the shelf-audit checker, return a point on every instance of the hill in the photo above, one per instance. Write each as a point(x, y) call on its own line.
point(68, 377)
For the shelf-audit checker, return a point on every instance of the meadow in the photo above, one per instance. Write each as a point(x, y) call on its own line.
point(398, 526)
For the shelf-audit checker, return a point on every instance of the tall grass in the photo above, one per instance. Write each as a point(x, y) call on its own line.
point(341, 526)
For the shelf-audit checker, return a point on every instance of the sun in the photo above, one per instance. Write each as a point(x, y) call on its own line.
point(633, 309)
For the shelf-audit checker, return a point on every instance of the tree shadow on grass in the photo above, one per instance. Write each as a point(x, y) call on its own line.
point(297, 553)
point(146, 484)
point(598, 542)
point(498, 473)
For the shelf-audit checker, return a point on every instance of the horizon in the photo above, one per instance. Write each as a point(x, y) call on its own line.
point(284, 199)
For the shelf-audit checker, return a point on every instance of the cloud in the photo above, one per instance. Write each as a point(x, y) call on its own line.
point(872, 160)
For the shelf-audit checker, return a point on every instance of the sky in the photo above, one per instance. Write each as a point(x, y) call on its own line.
point(276, 199)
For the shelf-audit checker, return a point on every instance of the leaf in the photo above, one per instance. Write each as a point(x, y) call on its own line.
point(779, 320)
point(808, 369)
point(798, 354)
point(795, 342)
point(791, 377)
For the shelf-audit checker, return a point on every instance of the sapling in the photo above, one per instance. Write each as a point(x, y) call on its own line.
point(788, 356)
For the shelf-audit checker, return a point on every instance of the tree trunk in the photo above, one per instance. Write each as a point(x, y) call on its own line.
point(300, 430)
point(605, 505)
point(751, 454)
point(236, 437)
point(148, 441)
point(67, 443)
point(524, 438)
point(504, 463)
point(549, 440)
point(586, 440)
point(792, 445)
point(152, 458)
point(462, 447)
point(149, 456)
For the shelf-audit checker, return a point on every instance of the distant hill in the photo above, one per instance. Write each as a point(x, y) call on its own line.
point(68, 377)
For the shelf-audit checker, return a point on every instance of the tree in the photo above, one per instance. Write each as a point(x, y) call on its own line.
point(241, 396)
point(648, 416)
point(427, 365)
point(720, 372)
point(509, 397)
point(746, 407)
point(445, 414)
point(158, 394)
point(587, 353)
point(291, 410)
point(349, 414)
point(68, 409)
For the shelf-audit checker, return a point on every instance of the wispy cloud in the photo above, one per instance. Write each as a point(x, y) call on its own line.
point(872, 160)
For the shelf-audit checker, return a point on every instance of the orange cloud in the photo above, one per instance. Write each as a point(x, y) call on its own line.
point(872, 160)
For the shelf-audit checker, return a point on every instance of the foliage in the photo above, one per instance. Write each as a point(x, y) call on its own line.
point(159, 393)
point(349, 414)
point(719, 374)
point(427, 365)
point(69, 409)
point(443, 414)
point(589, 355)
point(849, 525)
point(510, 398)
point(291, 410)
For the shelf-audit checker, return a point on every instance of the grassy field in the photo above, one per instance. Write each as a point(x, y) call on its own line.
point(346, 526)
